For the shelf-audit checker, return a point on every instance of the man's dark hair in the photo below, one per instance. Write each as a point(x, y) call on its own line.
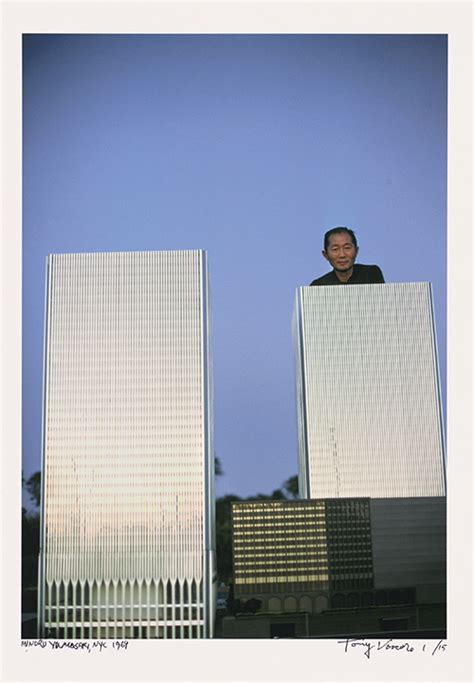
point(336, 231)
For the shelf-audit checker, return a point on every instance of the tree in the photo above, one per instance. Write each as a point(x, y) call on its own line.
point(33, 486)
point(224, 537)
point(218, 469)
point(290, 487)
point(277, 494)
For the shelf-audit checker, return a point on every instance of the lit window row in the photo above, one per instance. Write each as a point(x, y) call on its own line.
point(322, 550)
point(270, 516)
point(283, 579)
point(292, 533)
point(288, 561)
point(287, 546)
point(290, 525)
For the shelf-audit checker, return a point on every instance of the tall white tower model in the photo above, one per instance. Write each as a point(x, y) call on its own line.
point(127, 533)
point(368, 396)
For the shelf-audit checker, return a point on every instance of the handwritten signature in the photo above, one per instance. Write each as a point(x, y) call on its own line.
point(79, 645)
point(368, 647)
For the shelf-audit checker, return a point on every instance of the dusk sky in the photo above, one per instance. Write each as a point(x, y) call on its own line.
point(249, 147)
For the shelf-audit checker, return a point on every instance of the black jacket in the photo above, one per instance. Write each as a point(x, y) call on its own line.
point(362, 275)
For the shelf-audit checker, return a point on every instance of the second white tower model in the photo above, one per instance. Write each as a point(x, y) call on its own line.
point(127, 543)
point(368, 395)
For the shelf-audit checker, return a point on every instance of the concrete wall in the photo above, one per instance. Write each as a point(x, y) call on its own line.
point(409, 544)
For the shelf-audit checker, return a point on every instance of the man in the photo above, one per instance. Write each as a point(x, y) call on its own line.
point(340, 249)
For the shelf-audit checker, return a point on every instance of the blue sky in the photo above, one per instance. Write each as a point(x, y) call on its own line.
point(249, 147)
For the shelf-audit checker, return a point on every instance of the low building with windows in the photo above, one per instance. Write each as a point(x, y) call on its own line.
point(357, 555)
point(280, 554)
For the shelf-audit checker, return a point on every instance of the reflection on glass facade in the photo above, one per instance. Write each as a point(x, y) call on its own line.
point(368, 398)
point(127, 546)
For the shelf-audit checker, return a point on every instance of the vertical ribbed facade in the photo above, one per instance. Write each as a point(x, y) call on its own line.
point(127, 547)
point(368, 396)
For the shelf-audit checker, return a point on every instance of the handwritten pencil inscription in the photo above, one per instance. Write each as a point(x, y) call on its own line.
point(78, 645)
point(369, 647)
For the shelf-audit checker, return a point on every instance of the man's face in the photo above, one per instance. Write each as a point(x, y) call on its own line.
point(341, 252)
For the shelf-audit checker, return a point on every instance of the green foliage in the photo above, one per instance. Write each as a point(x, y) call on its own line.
point(224, 537)
point(218, 469)
point(30, 533)
point(290, 487)
point(30, 537)
point(33, 486)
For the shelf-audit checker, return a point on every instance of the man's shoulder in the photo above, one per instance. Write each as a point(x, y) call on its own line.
point(327, 279)
point(371, 273)
point(366, 268)
point(362, 274)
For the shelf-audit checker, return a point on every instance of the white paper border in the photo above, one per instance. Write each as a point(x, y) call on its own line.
point(247, 659)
